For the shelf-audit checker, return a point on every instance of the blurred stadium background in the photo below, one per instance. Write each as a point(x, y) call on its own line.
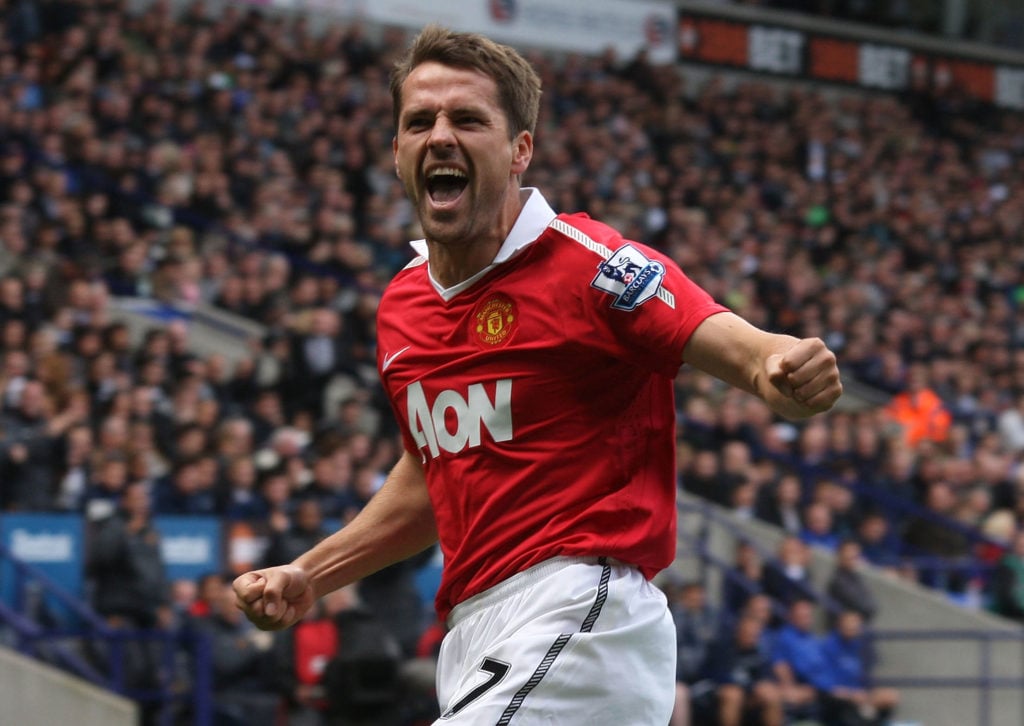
point(198, 214)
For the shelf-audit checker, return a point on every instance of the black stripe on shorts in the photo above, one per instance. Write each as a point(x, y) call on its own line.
point(558, 646)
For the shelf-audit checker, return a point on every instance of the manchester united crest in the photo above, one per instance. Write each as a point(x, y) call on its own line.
point(494, 320)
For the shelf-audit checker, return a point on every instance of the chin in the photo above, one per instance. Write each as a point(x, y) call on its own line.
point(443, 227)
point(445, 236)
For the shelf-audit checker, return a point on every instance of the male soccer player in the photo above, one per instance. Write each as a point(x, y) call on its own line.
point(529, 358)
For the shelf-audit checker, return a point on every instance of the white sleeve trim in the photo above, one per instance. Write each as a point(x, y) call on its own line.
point(604, 252)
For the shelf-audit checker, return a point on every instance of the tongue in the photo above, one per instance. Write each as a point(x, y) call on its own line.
point(446, 189)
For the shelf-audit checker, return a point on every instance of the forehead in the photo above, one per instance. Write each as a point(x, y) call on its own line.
point(435, 85)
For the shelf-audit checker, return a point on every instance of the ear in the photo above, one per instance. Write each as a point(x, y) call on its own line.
point(522, 152)
point(394, 153)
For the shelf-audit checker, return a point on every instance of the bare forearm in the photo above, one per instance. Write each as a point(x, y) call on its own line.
point(397, 523)
point(796, 378)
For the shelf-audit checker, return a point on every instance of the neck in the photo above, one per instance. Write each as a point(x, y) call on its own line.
point(451, 264)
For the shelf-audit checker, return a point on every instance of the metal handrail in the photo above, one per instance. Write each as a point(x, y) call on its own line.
point(984, 682)
point(31, 636)
point(708, 511)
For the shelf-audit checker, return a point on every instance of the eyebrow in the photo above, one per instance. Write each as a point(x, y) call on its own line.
point(425, 110)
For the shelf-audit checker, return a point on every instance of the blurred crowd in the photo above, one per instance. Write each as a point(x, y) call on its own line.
point(763, 657)
point(244, 161)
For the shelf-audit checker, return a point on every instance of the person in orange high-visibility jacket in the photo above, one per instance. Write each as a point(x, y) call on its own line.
point(919, 411)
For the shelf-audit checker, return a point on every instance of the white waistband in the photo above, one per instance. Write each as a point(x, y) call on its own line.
point(520, 581)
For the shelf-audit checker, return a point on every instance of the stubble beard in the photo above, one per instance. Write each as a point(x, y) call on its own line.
point(444, 228)
point(450, 228)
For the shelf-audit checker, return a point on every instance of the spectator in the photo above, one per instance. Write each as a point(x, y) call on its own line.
point(28, 452)
point(319, 350)
point(124, 562)
point(818, 528)
point(741, 671)
point(788, 578)
point(364, 680)
point(847, 653)
point(878, 542)
point(841, 497)
point(243, 690)
point(267, 415)
point(743, 499)
point(697, 624)
point(780, 504)
point(798, 662)
point(1008, 581)
point(764, 609)
point(929, 536)
point(186, 491)
point(76, 472)
point(1011, 426)
point(207, 590)
point(703, 478)
point(184, 593)
point(301, 656)
point(744, 580)
point(107, 487)
point(847, 586)
point(129, 585)
point(919, 410)
point(394, 598)
point(306, 529)
point(16, 369)
point(241, 498)
point(331, 486)
point(145, 460)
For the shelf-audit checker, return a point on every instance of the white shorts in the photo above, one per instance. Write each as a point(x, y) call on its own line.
point(569, 641)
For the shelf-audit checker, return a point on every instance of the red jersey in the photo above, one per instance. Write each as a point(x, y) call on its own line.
point(539, 396)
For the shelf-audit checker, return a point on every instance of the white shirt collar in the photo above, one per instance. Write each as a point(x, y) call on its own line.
point(533, 219)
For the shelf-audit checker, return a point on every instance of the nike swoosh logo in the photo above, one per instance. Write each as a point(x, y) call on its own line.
point(390, 358)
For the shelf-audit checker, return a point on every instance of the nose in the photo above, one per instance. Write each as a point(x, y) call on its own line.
point(442, 133)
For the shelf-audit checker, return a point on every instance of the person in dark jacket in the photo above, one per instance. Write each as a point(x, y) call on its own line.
point(306, 529)
point(697, 624)
point(788, 578)
point(781, 504)
point(847, 585)
point(741, 671)
point(28, 452)
point(243, 684)
point(930, 534)
point(744, 580)
point(129, 585)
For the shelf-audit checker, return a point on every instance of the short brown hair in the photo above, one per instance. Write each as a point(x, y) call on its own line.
point(519, 86)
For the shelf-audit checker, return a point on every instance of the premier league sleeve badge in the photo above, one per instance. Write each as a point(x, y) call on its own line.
point(630, 277)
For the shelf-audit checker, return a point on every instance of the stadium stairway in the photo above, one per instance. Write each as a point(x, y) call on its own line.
point(61, 663)
point(953, 665)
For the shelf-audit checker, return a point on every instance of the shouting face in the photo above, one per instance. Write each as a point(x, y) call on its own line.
point(456, 156)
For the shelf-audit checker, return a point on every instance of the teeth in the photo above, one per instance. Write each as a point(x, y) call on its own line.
point(446, 171)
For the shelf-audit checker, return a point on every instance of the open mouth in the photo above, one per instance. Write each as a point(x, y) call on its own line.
point(446, 184)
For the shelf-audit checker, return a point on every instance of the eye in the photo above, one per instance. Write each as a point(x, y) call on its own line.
point(417, 122)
